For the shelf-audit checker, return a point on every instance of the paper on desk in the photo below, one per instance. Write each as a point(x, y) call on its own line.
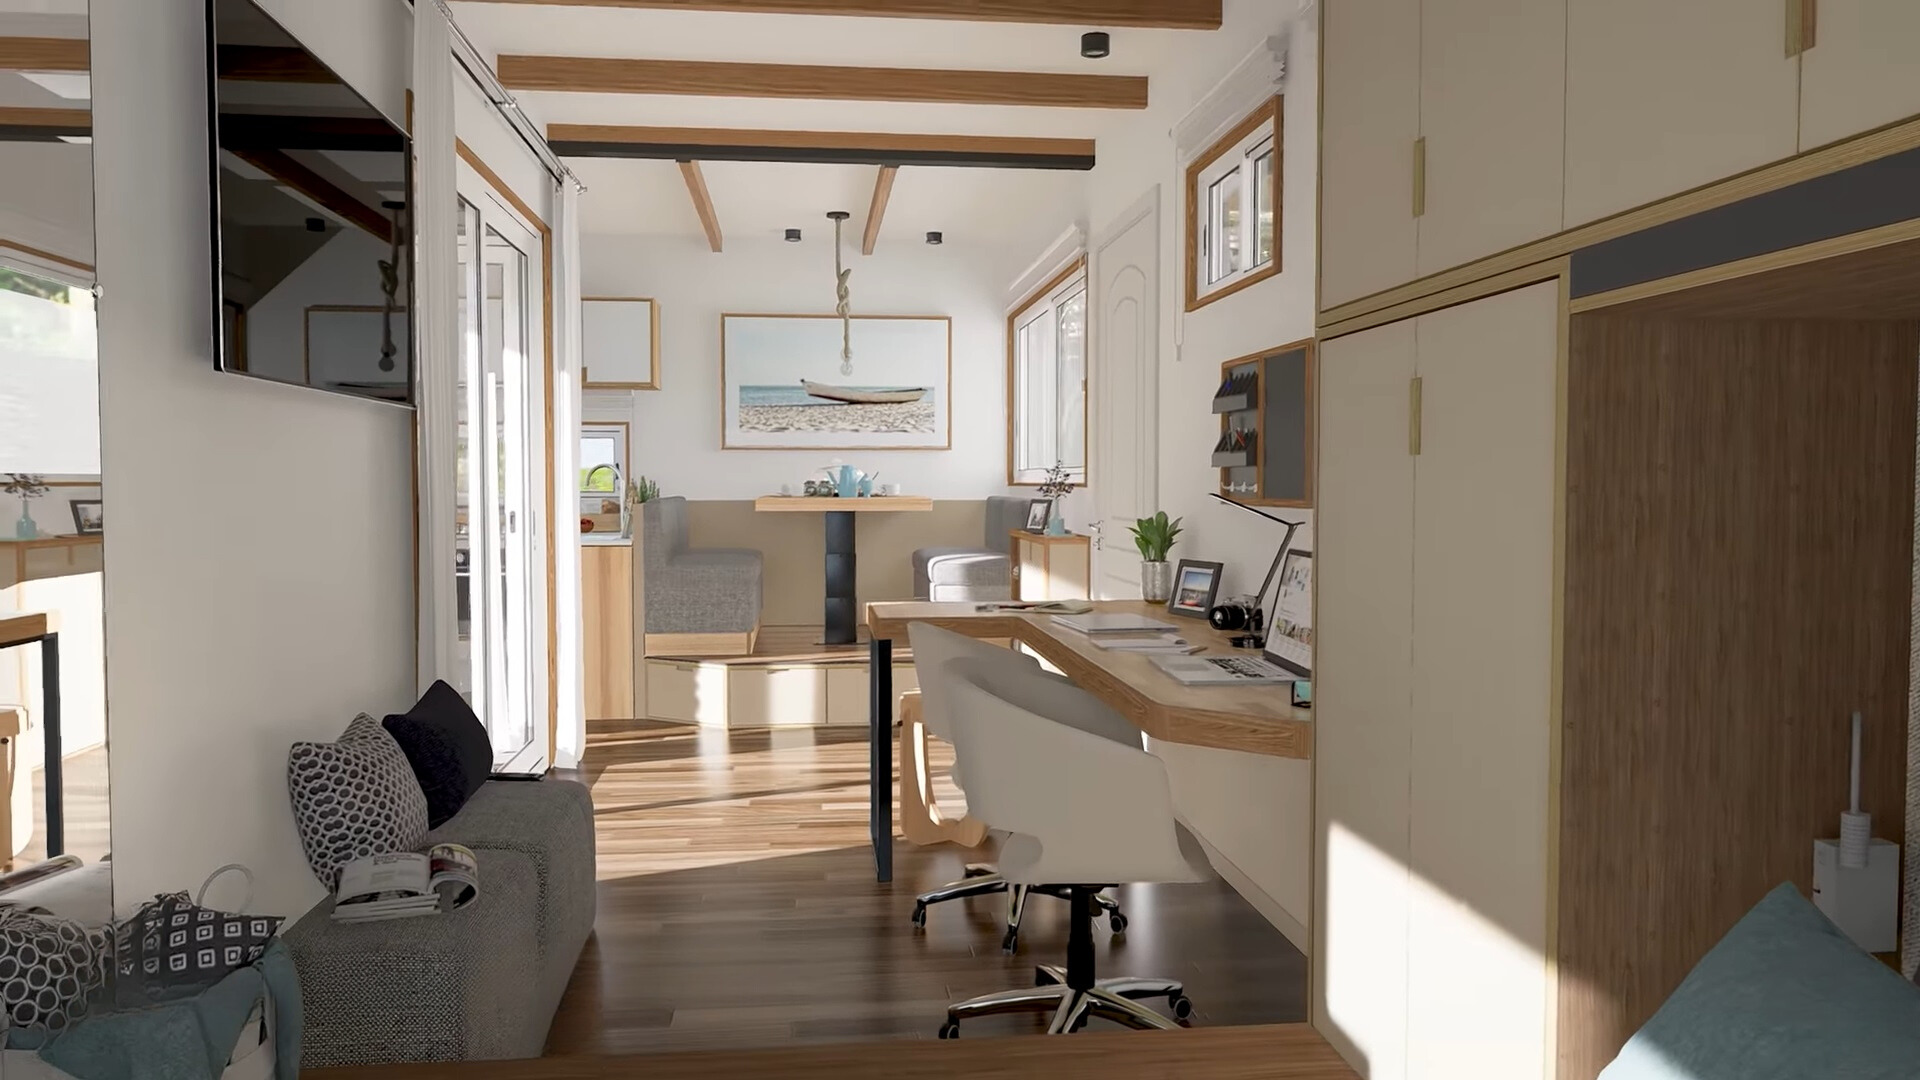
point(1144, 644)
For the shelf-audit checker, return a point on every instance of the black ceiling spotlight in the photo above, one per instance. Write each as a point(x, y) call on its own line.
point(1096, 45)
point(315, 224)
point(793, 236)
point(936, 238)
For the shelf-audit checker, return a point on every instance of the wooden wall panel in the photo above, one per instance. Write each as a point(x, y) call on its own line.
point(1740, 527)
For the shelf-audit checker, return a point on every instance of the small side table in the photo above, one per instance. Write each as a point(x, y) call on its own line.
point(41, 629)
point(1051, 567)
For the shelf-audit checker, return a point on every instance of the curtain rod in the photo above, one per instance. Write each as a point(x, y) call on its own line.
point(503, 102)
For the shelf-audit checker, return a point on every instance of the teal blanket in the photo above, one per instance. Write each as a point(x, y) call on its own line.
point(189, 1039)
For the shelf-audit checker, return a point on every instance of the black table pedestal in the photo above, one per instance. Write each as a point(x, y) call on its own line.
point(880, 755)
point(841, 609)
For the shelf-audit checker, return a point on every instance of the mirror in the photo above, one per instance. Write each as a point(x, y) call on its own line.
point(53, 775)
point(314, 248)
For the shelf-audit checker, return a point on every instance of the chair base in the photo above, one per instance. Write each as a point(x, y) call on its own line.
point(983, 880)
point(1108, 999)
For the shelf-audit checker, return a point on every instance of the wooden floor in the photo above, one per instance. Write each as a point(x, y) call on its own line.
point(738, 910)
point(84, 781)
point(1282, 1052)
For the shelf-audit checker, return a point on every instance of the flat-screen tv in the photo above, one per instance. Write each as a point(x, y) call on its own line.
point(313, 244)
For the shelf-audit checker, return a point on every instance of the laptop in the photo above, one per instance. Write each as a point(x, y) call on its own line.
point(1224, 670)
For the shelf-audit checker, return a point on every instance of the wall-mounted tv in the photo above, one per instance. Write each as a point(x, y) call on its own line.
point(313, 244)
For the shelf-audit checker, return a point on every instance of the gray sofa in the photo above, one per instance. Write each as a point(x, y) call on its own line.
point(695, 591)
point(478, 983)
point(981, 574)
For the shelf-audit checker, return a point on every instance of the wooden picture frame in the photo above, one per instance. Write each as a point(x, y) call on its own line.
point(939, 372)
point(652, 381)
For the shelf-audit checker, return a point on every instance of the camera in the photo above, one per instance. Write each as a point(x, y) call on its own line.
point(1242, 613)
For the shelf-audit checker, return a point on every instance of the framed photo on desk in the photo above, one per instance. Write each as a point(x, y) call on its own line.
point(1195, 584)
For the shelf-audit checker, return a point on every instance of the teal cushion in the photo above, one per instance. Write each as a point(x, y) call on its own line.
point(1784, 996)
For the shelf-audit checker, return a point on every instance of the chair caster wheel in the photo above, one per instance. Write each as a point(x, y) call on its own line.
point(919, 916)
point(1043, 977)
point(1117, 922)
point(1182, 1006)
point(1011, 943)
point(950, 1030)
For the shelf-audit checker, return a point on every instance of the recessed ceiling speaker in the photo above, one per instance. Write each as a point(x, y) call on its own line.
point(793, 236)
point(1095, 44)
point(936, 238)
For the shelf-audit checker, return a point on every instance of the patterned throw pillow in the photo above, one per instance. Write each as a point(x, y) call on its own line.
point(354, 797)
point(171, 948)
point(49, 967)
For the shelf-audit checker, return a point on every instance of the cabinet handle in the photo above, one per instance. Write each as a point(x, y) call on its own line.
point(1413, 416)
point(686, 667)
point(1420, 176)
point(1803, 18)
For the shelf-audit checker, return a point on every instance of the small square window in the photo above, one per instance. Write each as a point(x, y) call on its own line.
point(1233, 209)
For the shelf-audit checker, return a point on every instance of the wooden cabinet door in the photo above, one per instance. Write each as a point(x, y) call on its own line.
point(1483, 586)
point(1363, 639)
point(1370, 106)
point(1860, 72)
point(1664, 96)
point(1493, 116)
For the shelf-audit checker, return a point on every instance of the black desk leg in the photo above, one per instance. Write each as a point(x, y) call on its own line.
point(840, 569)
point(56, 790)
point(880, 755)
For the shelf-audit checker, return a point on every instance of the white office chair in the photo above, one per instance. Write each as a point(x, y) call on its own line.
point(1081, 808)
point(934, 649)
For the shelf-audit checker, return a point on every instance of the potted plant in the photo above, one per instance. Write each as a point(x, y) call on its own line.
point(1155, 537)
point(28, 487)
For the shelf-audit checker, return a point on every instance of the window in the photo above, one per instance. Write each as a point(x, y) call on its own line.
point(603, 463)
point(1047, 381)
point(1232, 198)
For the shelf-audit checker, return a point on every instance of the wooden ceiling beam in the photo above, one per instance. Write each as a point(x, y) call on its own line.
point(876, 210)
point(43, 125)
point(1136, 14)
point(43, 54)
point(704, 78)
point(819, 147)
point(702, 202)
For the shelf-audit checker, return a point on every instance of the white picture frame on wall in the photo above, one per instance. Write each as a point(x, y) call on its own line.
point(619, 343)
point(782, 388)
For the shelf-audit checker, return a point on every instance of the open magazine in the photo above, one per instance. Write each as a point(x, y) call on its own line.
point(402, 884)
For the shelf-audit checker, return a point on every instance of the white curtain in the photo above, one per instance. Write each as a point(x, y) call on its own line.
point(437, 351)
point(570, 740)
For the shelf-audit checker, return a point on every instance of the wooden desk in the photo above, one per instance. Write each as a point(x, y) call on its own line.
point(28, 628)
point(70, 544)
point(841, 604)
point(1250, 719)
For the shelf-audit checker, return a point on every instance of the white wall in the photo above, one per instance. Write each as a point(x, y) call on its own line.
point(45, 198)
point(676, 429)
point(231, 631)
point(1255, 811)
point(345, 271)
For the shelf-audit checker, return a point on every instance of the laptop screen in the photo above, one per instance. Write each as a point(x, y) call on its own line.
point(1290, 633)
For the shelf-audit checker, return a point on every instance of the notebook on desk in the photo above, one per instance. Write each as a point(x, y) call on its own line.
point(1108, 622)
point(1223, 670)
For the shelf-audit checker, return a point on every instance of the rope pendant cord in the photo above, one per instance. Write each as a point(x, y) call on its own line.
point(845, 306)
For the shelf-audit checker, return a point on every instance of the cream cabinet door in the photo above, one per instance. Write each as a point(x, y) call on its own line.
point(1493, 116)
point(1370, 117)
point(1483, 525)
point(1664, 96)
point(1363, 637)
point(1862, 71)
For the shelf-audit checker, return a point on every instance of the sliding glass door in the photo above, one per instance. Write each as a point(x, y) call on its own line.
point(498, 482)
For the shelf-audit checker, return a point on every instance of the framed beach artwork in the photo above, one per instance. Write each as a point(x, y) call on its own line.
point(782, 387)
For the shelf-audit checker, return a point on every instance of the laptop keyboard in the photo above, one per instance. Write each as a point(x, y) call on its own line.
point(1243, 667)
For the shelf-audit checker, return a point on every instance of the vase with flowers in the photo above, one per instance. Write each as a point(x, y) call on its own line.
point(1056, 487)
point(27, 487)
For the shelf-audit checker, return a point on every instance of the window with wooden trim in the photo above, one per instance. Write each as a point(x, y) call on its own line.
point(1047, 381)
point(603, 461)
point(1233, 209)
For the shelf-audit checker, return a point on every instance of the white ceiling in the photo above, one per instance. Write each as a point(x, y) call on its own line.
point(972, 206)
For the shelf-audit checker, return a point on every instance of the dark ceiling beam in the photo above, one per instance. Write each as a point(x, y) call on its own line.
point(43, 125)
point(266, 63)
point(703, 78)
point(1147, 14)
point(298, 176)
point(819, 147)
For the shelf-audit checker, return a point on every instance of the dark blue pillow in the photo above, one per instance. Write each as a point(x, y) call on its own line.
point(447, 747)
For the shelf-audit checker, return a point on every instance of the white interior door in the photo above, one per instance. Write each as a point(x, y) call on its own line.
point(502, 625)
point(1124, 334)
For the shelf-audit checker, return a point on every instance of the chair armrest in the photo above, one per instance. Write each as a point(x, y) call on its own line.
point(1061, 700)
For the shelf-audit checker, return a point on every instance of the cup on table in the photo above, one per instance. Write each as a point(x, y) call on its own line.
point(890, 489)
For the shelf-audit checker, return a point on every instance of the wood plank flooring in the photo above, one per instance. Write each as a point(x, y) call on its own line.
point(1272, 1052)
point(84, 781)
point(738, 910)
